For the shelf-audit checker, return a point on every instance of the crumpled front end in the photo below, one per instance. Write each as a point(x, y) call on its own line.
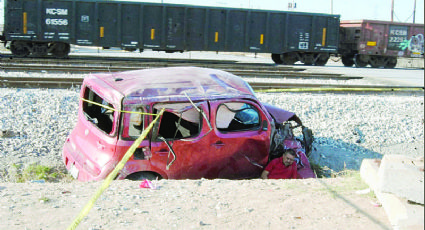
point(283, 138)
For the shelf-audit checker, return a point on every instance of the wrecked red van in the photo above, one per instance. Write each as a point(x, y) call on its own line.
point(213, 127)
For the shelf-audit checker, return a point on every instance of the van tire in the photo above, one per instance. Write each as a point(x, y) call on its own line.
point(142, 176)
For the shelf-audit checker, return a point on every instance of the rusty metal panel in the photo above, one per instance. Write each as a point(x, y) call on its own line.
point(383, 38)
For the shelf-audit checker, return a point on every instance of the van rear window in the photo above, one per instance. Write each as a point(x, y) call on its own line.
point(101, 116)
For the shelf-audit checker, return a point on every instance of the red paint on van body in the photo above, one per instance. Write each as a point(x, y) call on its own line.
point(229, 138)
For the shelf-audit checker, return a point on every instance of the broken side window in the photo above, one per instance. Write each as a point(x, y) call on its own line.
point(236, 116)
point(101, 117)
point(180, 120)
point(133, 122)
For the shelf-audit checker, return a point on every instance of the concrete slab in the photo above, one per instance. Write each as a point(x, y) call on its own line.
point(369, 172)
point(410, 63)
point(402, 176)
point(401, 214)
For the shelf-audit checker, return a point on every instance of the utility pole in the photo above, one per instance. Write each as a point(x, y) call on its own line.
point(392, 10)
point(332, 6)
point(414, 12)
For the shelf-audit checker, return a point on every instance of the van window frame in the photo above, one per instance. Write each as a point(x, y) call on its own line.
point(143, 125)
point(156, 137)
point(253, 106)
point(90, 119)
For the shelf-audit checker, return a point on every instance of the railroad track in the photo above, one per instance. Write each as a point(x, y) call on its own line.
point(247, 70)
point(91, 65)
point(238, 72)
point(142, 62)
point(64, 83)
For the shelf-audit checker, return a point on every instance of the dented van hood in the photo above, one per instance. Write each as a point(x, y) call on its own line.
point(280, 115)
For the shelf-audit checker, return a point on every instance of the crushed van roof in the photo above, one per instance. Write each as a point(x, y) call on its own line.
point(174, 83)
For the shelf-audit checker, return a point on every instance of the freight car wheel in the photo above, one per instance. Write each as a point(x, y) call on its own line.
point(276, 58)
point(20, 49)
point(376, 66)
point(39, 49)
point(391, 63)
point(288, 59)
point(359, 62)
point(308, 59)
point(60, 49)
point(377, 61)
point(347, 60)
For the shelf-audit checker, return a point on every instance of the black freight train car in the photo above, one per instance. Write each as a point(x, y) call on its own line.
point(49, 27)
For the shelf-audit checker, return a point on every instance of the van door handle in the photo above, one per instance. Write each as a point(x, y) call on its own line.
point(218, 144)
point(162, 152)
point(100, 146)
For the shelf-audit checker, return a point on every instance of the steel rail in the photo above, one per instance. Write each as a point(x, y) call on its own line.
point(247, 70)
point(239, 72)
point(28, 82)
point(139, 61)
point(151, 62)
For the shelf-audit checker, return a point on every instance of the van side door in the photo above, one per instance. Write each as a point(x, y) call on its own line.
point(241, 138)
point(179, 144)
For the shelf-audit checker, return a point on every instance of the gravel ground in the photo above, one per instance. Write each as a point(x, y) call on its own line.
point(351, 127)
point(348, 128)
point(34, 124)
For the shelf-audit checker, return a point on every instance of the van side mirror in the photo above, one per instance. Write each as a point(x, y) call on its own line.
point(265, 125)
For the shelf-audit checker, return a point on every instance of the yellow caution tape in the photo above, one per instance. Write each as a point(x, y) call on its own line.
point(116, 110)
point(113, 174)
